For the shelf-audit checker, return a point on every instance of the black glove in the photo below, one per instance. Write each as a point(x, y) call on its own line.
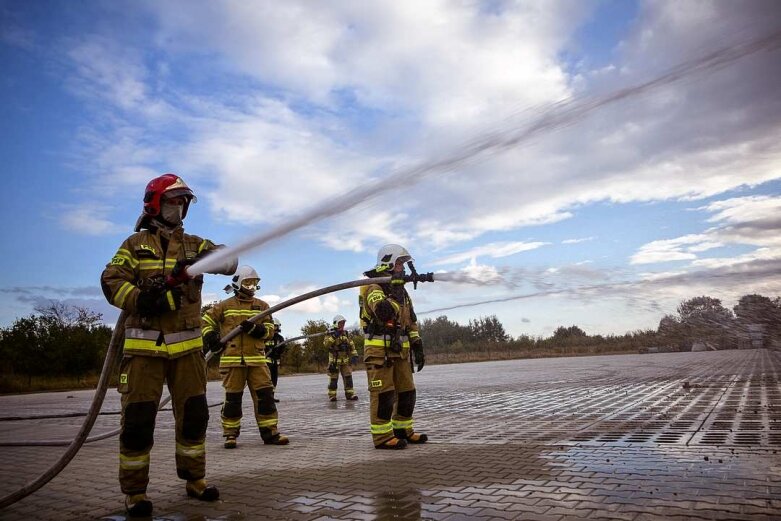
point(252, 329)
point(385, 311)
point(397, 287)
point(332, 368)
point(211, 342)
point(417, 352)
point(151, 303)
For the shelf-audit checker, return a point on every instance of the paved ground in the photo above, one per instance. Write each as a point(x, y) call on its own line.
point(635, 437)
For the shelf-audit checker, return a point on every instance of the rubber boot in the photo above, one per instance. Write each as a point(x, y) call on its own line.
point(137, 505)
point(352, 397)
point(200, 490)
point(230, 442)
point(414, 438)
point(392, 444)
point(277, 439)
point(332, 398)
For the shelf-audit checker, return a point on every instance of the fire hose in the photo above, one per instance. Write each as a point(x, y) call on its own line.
point(108, 363)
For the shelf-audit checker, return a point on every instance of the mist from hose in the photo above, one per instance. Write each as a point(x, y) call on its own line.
point(549, 118)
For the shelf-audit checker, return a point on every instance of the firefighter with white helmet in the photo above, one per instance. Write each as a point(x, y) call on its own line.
point(342, 356)
point(148, 279)
point(390, 331)
point(243, 360)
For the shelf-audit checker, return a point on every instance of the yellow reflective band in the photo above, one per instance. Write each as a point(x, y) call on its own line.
point(170, 298)
point(254, 359)
point(190, 451)
point(241, 312)
point(202, 245)
point(414, 334)
point(206, 329)
point(376, 383)
point(267, 423)
point(402, 424)
point(125, 254)
point(170, 263)
point(139, 344)
point(395, 305)
point(383, 428)
point(375, 296)
point(209, 320)
point(133, 462)
point(231, 424)
point(381, 342)
point(123, 378)
point(122, 293)
point(150, 264)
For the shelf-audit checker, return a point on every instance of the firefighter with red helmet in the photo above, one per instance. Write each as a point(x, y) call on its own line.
point(148, 279)
point(390, 331)
point(243, 361)
point(342, 356)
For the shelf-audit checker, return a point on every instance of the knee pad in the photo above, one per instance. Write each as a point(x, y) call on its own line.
point(385, 405)
point(406, 403)
point(232, 407)
point(348, 382)
point(266, 404)
point(333, 383)
point(196, 418)
point(139, 427)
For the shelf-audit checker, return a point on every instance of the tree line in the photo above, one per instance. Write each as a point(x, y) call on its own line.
point(65, 341)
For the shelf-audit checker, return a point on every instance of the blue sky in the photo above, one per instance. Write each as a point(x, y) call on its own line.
point(269, 109)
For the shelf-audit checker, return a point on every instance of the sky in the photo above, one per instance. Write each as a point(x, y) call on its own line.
point(270, 111)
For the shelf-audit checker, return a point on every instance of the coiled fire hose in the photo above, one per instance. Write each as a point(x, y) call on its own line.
point(111, 354)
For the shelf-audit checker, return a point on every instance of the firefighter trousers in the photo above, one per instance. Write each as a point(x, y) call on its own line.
point(392, 397)
point(258, 378)
point(347, 379)
point(141, 381)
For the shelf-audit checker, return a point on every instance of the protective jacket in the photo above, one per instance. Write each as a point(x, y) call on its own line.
point(243, 349)
point(340, 347)
point(273, 351)
point(142, 262)
point(389, 338)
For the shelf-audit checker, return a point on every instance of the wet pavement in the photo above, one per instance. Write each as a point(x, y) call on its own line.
point(635, 437)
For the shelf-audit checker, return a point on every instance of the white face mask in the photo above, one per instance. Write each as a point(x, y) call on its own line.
point(172, 213)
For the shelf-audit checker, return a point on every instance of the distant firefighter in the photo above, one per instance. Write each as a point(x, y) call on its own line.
point(342, 356)
point(275, 348)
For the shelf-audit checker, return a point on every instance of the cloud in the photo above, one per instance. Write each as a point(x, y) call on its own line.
point(577, 241)
point(748, 221)
point(89, 219)
point(494, 250)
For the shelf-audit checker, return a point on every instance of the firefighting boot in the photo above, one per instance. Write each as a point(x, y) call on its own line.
point(332, 398)
point(138, 505)
point(200, 490)
point(392, 444)
point(352, 397)
point(414, 438)
point(230, 442)
point(276, 439)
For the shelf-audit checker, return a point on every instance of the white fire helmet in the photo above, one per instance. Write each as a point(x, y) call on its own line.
point(246, 280)
point(388, 255)
point(338, 319)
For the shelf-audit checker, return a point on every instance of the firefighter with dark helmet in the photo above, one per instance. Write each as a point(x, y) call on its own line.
point(243, 361)
point(342, 356)
point(275, 348)
point(148, 279)
point(390, 331)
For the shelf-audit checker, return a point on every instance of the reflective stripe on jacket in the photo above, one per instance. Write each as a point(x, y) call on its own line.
point(137, 264)
point(379, 335)
point(241, 350)
point(340, 347)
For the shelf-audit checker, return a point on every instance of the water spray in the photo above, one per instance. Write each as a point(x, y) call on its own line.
point(551, 118)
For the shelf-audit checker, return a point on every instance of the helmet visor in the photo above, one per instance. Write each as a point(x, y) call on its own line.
point(179, 192)
point(251, 284)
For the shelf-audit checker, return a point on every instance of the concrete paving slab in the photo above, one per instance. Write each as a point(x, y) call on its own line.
point(656, 436)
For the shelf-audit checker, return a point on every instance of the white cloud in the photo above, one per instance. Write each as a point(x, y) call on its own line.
point(577, 241)
point(89, 219)
point(494, 250)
